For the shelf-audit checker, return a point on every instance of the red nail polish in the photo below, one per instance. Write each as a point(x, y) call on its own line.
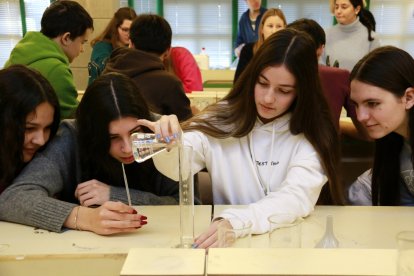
point(143, 222)
point(134, 211)
point(143, 217)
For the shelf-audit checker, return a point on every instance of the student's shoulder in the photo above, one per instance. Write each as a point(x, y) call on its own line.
point(67, 128)
point(245, 15)
point(102, 47)
point(65, 138)
point(327, 71)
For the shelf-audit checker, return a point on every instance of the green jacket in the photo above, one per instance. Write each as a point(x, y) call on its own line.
point(39, 52)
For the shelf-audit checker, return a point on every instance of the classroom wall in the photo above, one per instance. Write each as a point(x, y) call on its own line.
point(101, 13)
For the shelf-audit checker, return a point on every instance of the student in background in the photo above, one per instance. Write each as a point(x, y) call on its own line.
point(382, 87)
point(84, 164)
point(29, 117)
point(270, 143)
point(249, 25)
point(182, 64)
point(272, 21)
point(65, 28)
point(150, 36)
point(353, 36)
point(115, 35)
point(335, 81)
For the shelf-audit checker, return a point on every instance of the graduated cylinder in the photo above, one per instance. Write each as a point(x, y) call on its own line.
point(186, 180)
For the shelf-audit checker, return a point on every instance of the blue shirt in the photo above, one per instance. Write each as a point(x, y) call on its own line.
point(245, 33)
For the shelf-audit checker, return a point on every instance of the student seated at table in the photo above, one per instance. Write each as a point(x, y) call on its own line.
point(182, 64)
point(335, 81)
point(382, 87)
point(83, 165)
point(29, 117)
point(270, 143)
point(150, 36)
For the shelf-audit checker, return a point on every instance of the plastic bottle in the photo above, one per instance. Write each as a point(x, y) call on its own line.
point(203, 60)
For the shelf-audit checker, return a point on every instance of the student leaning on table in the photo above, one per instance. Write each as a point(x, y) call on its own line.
point(270, 143)
point(82, 164)
point(29, 117)
point(382, 87)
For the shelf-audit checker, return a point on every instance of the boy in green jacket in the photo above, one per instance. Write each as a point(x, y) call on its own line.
point(65, 27)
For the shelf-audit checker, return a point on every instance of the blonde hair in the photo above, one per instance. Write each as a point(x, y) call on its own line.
point(270, 12)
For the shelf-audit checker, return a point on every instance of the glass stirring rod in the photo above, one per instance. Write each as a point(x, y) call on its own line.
point(126, 185)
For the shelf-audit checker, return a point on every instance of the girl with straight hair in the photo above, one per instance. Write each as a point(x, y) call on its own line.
point(84, 165)
point(270, 143)
point(382, 88)
point(29, 117)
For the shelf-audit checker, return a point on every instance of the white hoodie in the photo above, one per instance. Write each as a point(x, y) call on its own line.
point(270, 170)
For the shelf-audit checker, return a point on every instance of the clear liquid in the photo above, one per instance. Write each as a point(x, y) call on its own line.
point(186, 198)
point(145, 146)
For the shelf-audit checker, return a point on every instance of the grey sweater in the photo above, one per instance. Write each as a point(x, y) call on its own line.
point(55, 173)
point(347, 44)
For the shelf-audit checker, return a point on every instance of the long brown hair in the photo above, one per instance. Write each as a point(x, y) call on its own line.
point(266, 15)
point(110, 34)
point(235, 114)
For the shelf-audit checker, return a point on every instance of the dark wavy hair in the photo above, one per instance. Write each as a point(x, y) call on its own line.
point(65, 16)
point(21, 91)
point(235, 114)
point(391, 69)
point(110, 34)
point(110, 97)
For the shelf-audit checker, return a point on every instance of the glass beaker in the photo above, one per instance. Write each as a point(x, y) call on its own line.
point(146, 145)
point(405, 262)
point(234, 233)
point(285, 230)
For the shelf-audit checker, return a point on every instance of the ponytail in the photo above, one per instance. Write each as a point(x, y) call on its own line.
point(367, 19)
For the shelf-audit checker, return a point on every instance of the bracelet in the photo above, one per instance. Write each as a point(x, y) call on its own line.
point(76, 220)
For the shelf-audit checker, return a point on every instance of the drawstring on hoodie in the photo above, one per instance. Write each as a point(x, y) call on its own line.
point(265, 185)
